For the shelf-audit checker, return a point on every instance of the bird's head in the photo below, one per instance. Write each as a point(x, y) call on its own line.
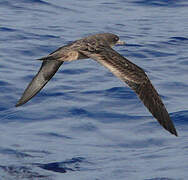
point(110, 39)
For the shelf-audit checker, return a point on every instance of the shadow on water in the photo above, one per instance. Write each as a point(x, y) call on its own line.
point(32, 171)
point(162, 178)
point(29, 172)
point(64, 166)
point(22, 172)
point(161, 3)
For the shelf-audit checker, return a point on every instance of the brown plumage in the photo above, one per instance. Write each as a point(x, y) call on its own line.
point(98, 47)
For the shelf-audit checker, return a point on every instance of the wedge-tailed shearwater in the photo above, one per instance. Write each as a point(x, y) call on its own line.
point(99, 48)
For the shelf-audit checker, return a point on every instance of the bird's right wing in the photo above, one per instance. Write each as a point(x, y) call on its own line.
point(137, 80)
point(46, 72)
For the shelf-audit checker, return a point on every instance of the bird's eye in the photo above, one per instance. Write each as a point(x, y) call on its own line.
point(116, 38)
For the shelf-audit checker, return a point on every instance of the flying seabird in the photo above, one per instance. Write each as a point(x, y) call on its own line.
point(99, 48)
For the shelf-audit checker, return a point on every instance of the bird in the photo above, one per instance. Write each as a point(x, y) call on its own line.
point(99, 47)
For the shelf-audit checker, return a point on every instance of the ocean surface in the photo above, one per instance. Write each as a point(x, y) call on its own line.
point(86, 124)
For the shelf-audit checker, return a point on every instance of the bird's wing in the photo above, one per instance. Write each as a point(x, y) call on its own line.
point(137, 80)
point(46, 72)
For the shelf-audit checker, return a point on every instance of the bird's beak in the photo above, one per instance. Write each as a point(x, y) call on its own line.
point(120, 42)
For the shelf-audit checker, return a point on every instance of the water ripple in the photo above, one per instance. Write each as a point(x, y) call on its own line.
point(86, 123)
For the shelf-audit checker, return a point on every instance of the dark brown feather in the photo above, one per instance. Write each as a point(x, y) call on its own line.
point(137, 79)
point(46, 72)
point(98, 47)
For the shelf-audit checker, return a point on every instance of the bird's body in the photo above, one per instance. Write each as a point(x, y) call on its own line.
point(98, 47)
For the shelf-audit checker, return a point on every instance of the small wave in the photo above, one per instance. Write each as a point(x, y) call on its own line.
point(166, 3)
point(162, 178)
point(22, 172)
point(64, 166)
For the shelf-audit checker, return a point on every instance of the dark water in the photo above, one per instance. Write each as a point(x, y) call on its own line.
point(86, 124)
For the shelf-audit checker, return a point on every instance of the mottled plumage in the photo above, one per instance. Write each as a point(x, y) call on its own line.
point(98, 47)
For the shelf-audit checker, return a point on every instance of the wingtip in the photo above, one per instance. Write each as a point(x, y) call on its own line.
point(40, 59)
point(19, 103)
point(175, 133)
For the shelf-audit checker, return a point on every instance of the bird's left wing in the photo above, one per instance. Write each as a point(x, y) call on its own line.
point(46, 72)
point(137, 80)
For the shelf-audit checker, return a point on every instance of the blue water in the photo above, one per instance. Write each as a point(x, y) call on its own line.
point(86, 124)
